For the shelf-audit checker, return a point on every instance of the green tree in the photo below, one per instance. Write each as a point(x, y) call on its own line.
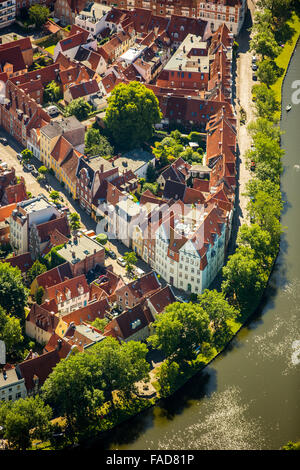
point(180, 330)
point(42, 172)
point(243, 279)
point(131, 260)
point(78, 108)
point(39, 295)
point(101, 238)
point(97, 144)
point(132, 111)
point(25, 420)
point(10, 331)
point(27, 155)
point(54, 195)
point(219, 312)
point(13, 293)
point(268, 72)
point(291, 446)
point(151, 173)
point(36, 269)
point(100, 324)
point(73, 390)
point(264, 43)
point(74, 221)
point(38, 14)
point(168, 375)
point(266, 104)
point(52, 92)
point(259, 241)
point(265, 127)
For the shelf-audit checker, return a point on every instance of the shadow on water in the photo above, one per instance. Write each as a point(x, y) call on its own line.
point(201, 385)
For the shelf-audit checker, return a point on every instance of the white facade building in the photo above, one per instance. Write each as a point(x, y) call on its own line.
point(7, 13)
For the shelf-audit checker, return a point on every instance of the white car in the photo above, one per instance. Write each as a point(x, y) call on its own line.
point(121, 262)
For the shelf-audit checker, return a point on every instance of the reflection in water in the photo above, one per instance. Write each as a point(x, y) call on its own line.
point(225, 425)
point(278, 342)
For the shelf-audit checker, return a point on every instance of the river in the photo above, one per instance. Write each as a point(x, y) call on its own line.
point(248, 398)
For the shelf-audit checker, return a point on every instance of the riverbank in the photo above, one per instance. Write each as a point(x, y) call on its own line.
point(283, 60)
point(236, 326)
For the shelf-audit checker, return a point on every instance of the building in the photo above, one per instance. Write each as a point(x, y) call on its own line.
point(71, 129)
point(7, 13)
point(32, 211)
point(12, 385)
point(215, 12)
point(92, 17)
point(131, 294)
point(83, 253)
point(69, 295)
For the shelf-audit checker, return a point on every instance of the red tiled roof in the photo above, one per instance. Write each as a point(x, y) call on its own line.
point(12, 56)
point(127, 319)
point(162, 298)
point(61, 224)
point(23, 43)
point(54, 276)
point(23, 262)
point(59, 291)
point(15, 193)
point(39, 367)
point(84, 89)
point(89, 313)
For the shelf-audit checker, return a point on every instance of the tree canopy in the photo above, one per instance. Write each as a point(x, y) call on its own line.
point(97, 144)
point(13, 293)
point(181, 329)
point(78, 108)
point(38, 14)
point(132, 111)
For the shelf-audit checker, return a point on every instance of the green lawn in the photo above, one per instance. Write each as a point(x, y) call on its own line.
point(284, 58)
point(50, 49)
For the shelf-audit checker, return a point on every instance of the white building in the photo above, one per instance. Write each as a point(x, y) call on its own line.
point(190, 249)
point(32, 211)
point(7, 13)
point(12, 386)
point(92, 18)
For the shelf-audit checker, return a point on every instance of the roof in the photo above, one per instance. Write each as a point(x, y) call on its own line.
point(76, 251)
point(60, 223)
point(76, 287)
point(161, 298)
point(132, 320)
point(142, 286)
point(54, 276)
point(89, 313)
point(23, 262)
point(12, 56)
point(24, 44)
point(39, 367)
point(84, 89)
point(15, 193)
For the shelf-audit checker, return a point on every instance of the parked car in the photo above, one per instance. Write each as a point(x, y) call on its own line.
point(121, 262)
point(3, 140)
point(254, 77)
point(28, 167)
point(4, 165)
point(19, 156)
point(254, 67)
point(65, 209)
point(52, 111)
point(34, 172)
point(111, 254)
point(252, 166)
point(49, 189)
point(102, 279)
point(254, 59)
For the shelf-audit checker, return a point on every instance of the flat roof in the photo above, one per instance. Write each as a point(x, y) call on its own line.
point(89, 333)
point(133, 160)
point(11, 378)
point(132, 53)
point(181, 61)
point(84, 247)
point(36, 204)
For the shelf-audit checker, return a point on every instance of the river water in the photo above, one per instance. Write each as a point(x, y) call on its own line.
point(248, 398)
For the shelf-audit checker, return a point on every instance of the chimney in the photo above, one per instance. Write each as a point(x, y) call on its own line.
point(172, 220)
point(59, 342)
point(101, 168)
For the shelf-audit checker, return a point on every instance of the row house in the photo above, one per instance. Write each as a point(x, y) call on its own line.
point(14, 193)
point(5, 213)
point(67, 10)
point(24, 44)
point(188, 67)
point(69, 295)
point(19, 113)
point(72, 131)
point(131, 294)
point(77, 38)
point(215, 12)
point(42, 236)
point(91, 172)
point(83, 90)
point(52, 277)
point(190, 246)
point(12, 62)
